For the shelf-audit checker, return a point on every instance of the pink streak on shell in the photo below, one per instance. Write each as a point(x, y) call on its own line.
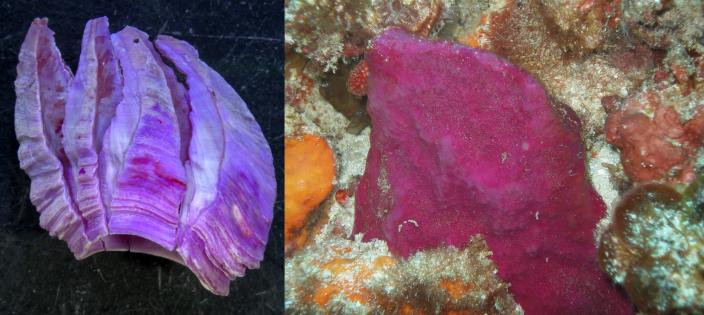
point(146, 178)
point(92, 97)
point(465, 143)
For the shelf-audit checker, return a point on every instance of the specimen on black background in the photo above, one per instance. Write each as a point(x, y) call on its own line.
point(134, 154)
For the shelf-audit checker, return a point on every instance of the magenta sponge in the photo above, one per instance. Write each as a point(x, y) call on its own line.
point(465, 143)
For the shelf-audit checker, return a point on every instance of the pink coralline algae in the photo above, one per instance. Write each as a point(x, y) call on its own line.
point(465, 143)
point(655, 144)
point(125, 157)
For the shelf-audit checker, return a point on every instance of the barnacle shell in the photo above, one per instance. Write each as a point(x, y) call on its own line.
point(124, 156)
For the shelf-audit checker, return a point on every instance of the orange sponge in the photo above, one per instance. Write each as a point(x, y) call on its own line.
point(309, 171)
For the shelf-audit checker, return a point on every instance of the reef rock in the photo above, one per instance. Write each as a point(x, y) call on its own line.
point(655, 247)
point(464, 142)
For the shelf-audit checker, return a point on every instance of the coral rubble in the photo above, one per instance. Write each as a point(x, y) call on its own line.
point(453, 155)
point(655, 247)
point(351, 277)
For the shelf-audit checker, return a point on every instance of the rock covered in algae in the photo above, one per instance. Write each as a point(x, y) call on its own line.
point(655, 248)
point(349, 277)
point(464, 142)
point(329, 31)
point(662, 24)
point(659, 130)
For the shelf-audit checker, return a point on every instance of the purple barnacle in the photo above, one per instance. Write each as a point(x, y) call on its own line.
point(230, 167)
point(124, 157)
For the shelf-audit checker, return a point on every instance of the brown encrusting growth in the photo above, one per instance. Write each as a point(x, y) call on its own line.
point(330, 31)
point(536, 34)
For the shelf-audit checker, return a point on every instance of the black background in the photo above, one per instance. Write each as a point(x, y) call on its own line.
point(243, 41)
